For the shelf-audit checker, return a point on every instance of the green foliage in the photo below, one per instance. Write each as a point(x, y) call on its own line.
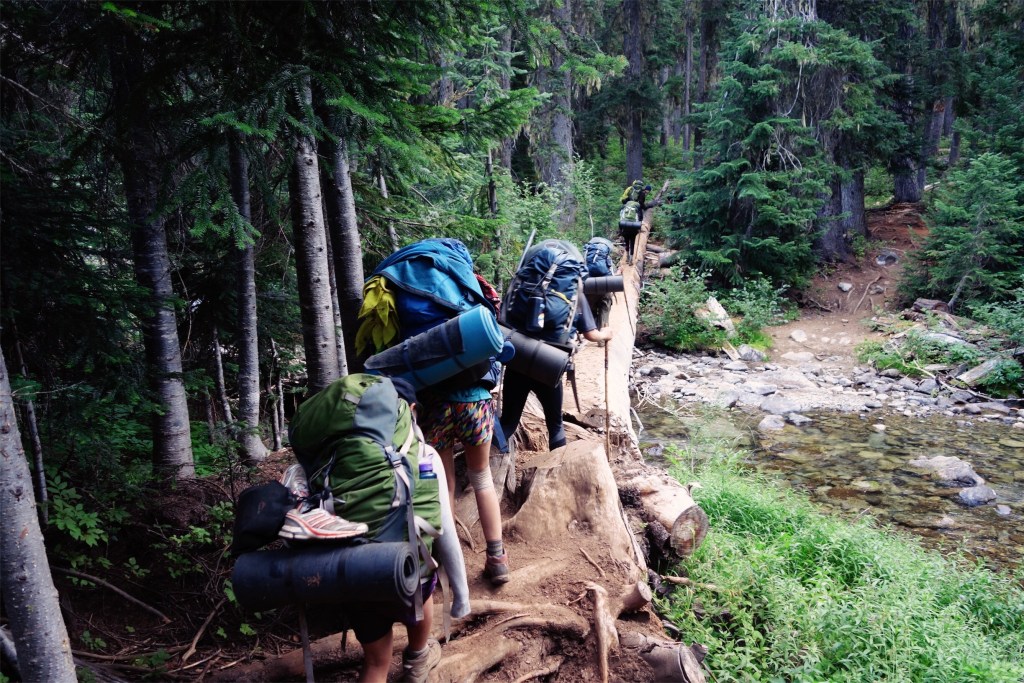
point(910, 354)
point(806, 597)
point(975, 249)
point(668, 310)
point(877, 187)
point(1006, 317)
point(760, 305)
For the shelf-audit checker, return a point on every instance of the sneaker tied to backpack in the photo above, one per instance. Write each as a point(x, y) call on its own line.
point(416, 667)
point(294, 479)
point(496, 569)
point(319, 525)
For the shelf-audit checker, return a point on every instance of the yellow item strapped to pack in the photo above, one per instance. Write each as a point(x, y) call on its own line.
point(379, 317)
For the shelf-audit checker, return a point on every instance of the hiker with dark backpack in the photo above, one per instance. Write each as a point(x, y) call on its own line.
point(545, 302)
point(598, 253)
point(433, 281)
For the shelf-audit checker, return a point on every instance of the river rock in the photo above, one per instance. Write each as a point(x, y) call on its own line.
point(779, 405)
point(949, 339)
point(750, 354)
point(907, 384)
point(872, 403)
point(961, 396)
point(1003, 510)
point(976, 495)
point(726, 399)
point(760, 388)
point(844, 286)
point(750, 400)
point(798, 356)
point(927, 386)
point(948, 469)
point(799, 336)
point(736, 366)
point(995, 407)
point(772, 423)
point(798, 420)
point(878, 427)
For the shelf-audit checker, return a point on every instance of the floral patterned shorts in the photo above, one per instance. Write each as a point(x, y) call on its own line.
point(472, 424)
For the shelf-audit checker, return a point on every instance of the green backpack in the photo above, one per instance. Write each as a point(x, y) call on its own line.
point(360, 448)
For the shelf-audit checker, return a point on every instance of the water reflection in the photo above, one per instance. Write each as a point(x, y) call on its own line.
point(848, 463)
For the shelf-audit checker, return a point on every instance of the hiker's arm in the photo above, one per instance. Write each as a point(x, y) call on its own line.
point(603, 334)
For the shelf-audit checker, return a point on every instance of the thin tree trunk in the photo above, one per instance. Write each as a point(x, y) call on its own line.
point(505, 81)
point(930, 148)
point(345, 243)
point(904, 165)
point(248, 434)
point(30, 600)
point(954, 149)
point(29, 409)
point(339, 340)
point(687, 106)
point(949, 117)
point(274, 396)
point(211, 417)
point(141, 165)
point(382, 185)
point(632, 48)
point(709, 11)
point(677, 105)
point(218, 365)
point(317, 311)
point(492, 186)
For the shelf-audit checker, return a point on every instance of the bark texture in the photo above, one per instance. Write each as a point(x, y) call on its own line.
point(253, 449)
point(141, 163)
point(345, 242)
point(632, 47)
point(30, 599)
point(317, 309)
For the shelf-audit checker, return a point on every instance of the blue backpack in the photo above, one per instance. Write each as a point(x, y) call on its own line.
point(599, 257)
point(433, 281)
point(542, 298)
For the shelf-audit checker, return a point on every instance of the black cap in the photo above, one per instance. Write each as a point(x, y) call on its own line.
point(405, 390)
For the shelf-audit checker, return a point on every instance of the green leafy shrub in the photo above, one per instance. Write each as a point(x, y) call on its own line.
point(913, 352)
point(1006, 379)
point(668, 312)
point(800, 596)
point(877, 186)
point(1006, 317)
point(761, 305)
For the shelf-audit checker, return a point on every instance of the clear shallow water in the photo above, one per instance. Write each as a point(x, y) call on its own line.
point(846, 466)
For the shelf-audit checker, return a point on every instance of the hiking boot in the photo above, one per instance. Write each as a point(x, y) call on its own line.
point(319, 525)
point(294, 479)
point(416, 669)
point(496, 569)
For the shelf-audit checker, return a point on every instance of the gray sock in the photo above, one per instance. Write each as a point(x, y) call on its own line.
point(495, 548)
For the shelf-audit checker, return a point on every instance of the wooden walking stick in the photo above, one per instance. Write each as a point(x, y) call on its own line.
point(607, 412)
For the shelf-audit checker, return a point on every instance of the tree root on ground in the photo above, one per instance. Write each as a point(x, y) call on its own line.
point(465, 667)
point(607, 610)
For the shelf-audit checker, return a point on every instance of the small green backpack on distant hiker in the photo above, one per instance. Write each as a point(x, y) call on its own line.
point(360, 447)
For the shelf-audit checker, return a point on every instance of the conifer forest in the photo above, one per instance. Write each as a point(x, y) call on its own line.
point(192, 195)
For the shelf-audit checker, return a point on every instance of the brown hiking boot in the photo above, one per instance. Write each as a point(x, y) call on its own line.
point(416, 669)
point(496, 569)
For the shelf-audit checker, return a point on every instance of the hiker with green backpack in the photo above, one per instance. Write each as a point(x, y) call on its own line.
point(545, 302)
point(368, 462)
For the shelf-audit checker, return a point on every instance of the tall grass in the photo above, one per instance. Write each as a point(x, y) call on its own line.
point(807, 597)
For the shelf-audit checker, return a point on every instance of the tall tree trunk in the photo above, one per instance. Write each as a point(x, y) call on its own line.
point(345, 243)
point(954, 149)
point(930, 147)
point(551, 135)
point(141, 165)
point(904, 163)
point(505, 81)
point(274, 398)
point(317, 310)
point(218, 376)
point(29, 409)
point(949, 117)
point(687, 105)
point(667, 107)
point(339, 338)
point(248, 426)
point(382, 185)
point(632, 48)
point(709, 39)
point(29, 597)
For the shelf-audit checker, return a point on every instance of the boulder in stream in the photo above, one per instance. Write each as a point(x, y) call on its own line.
point(948, 469)
point(976, 495)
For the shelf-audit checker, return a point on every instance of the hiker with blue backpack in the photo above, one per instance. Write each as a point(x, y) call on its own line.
point(432, 284)
point(598, 254)
point(545, 302)
point(634, 202)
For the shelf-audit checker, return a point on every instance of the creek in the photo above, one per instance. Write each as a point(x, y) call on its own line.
point(846, 465)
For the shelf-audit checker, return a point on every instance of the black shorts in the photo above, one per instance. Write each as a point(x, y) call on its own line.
point(371, 621)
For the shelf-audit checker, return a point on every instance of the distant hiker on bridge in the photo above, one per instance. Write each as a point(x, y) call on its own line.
point(634, 201)
point(599, 257)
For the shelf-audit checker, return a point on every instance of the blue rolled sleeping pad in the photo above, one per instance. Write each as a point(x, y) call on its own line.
point(443, 351)
point(325, 573)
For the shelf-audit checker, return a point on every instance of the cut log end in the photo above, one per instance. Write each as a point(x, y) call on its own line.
point(689, 530)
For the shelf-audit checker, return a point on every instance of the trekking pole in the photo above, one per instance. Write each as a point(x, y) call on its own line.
point(607, 410)
point(529, 242)
point(307, 652)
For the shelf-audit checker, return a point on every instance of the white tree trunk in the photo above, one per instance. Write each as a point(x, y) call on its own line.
point(29, 597)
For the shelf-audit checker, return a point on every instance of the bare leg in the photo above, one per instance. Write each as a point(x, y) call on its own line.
point(420, 631)
point(377, 659)
point(478, 459)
